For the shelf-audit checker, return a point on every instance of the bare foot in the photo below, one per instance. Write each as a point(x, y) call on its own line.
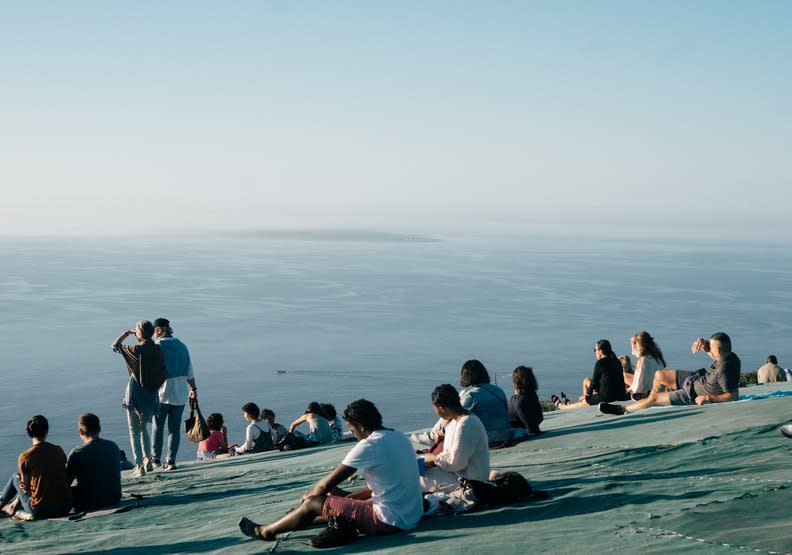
point(250, 528)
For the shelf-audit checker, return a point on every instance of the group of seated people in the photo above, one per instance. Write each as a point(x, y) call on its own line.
point(650, 383)
point(471, 422)
point(264, 434)
point(42, 487)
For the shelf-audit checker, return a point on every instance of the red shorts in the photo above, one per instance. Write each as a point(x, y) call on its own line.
point(359, 511)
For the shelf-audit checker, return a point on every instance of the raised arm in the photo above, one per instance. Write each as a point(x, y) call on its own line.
point(701, 344)
point(121, 338)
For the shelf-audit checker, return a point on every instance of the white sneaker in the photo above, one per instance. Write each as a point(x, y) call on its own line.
point(786, 430)
point(139, 471)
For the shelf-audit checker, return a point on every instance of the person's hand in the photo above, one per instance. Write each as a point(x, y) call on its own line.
point(701, 399)
point(700, 344)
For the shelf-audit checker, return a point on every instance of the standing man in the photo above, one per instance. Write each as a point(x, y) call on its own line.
point(174, 392)
point(96, 465)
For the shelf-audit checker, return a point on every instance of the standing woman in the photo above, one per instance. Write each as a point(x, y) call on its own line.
point(146, 368)
point(607, 382)
point(649, 359)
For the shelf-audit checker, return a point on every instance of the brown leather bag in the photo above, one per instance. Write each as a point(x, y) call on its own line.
point(195, 426)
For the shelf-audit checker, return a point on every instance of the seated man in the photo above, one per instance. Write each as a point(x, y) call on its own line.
point(390, 502)
point(465, 451)
point(96, 465)
point(770, 372)
point(41, 488)
point(716, 384)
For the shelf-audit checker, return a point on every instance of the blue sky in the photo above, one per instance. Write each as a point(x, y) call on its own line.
point(623, 118)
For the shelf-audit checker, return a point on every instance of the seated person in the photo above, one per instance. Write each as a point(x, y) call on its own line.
point(336, 428)
point(258, 436)
point(719, 383)
point(390, 502)
point(217, 442)
point(770, 372)
point(126, 464)
point(318, 426)
point(485, 400)
point(525, 411)
point(96, 465)
point(649, 359)
point(41, 488)
point(607, 382)
point(465, 451)
point(278, 431)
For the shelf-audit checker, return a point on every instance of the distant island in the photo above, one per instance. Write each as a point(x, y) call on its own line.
point(349, 235)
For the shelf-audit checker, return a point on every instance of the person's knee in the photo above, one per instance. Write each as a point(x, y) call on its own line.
point(313, 504)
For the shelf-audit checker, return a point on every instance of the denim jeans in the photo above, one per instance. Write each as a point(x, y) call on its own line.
point(12, 490)
point(173, 414)
point(138, 437)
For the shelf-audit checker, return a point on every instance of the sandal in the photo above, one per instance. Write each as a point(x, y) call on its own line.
point(339, 531)
point(248, 527)
point(564, 399)
point(556, 401)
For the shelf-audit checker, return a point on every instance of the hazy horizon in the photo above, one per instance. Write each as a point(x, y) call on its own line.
point(625, 119)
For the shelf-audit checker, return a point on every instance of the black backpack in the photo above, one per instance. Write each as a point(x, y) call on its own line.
point(510, 487)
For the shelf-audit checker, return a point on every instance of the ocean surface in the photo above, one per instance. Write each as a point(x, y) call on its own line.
point(283, 319)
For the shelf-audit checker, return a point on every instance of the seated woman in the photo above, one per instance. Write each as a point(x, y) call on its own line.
point(258, 436)
point(525, 411)
point(390, 502)
point(217, 442)
point(485, 400)
point(649, 360)
point(41, 488)
point(318, 426)
point(607, 381)
point(465, 451)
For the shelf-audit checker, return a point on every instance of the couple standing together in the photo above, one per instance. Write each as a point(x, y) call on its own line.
point(160, 381)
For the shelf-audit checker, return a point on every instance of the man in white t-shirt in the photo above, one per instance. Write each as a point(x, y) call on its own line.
point(390, 502)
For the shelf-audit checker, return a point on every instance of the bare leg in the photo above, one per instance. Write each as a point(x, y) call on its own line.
point(309, 512)
point(586, 386)
point(665, 378)
point(628, 380)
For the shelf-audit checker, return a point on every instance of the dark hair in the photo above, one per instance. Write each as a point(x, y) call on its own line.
point(364, 414)
point(251, 409)
point(605, 346)
point(267, 413)
point(89, 424)
point(626, 364)
point(772, 359)
point(723, 340)
point(523, 380)
point(447, 397)
point(473, 373)
point(38, 427)
point(647, 346)
point(328, 411)
point(146, 329)
point(314, 408)
point(215, 421)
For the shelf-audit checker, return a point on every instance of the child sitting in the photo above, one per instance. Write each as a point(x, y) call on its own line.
point(217, 442)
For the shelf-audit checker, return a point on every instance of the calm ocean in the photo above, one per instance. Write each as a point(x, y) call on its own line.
point(284, 320)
